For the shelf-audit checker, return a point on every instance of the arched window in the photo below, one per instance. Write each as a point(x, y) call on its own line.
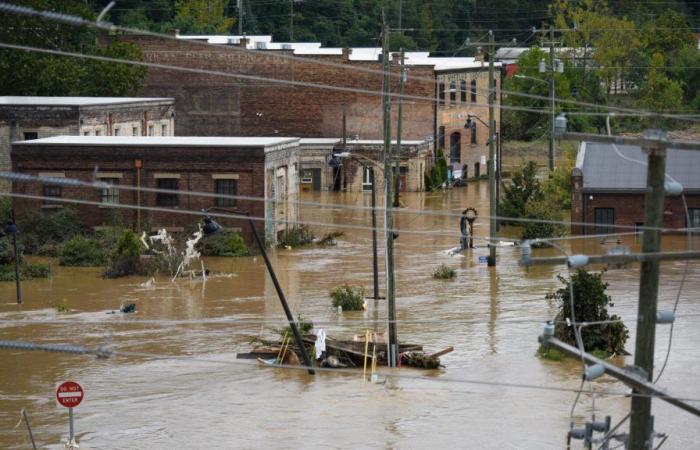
point(473, 93)
point(441, 94)
point(453, 93)
point(463, 91)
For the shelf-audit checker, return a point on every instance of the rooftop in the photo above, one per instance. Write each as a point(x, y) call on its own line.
point(160, 141)
point(76, 101)
point(604, 169)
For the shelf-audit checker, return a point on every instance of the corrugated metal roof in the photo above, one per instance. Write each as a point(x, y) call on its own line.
point(623, 168)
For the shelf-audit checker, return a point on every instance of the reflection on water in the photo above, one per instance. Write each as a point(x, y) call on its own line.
point(491, 317)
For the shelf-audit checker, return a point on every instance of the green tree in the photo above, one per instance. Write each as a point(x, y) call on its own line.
point(202, 17)
point(660, 93)
point(522, 189)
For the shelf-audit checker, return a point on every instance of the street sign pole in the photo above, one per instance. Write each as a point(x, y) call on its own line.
point(71, 430)
point(69, 395)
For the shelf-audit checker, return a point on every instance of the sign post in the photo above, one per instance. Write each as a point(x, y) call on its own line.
point(69, 395)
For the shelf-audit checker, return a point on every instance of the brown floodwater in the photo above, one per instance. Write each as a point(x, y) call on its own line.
point(492, 317)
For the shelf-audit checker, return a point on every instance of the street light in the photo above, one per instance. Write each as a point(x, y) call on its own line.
point(210, 227)
point(10, 229)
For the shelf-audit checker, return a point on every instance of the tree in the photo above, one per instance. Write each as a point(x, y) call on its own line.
point(523, 188)
point(660, 93)
point(202, 17)
point(590, 305)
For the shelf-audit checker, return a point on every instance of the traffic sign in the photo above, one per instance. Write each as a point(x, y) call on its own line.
point(483, 259)
point(69, 394)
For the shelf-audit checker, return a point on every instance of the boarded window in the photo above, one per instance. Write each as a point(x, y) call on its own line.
point(603, 218)
point(226, 187)
point(166, 198)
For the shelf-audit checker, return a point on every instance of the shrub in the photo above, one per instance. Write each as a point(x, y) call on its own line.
point(83, 252)
point(541, 210)
point(42, 231)
point(304, 326)
point(296, 237)
point(349, 298)
point(226, 243)
point(522, 189)
point(590, 305)
point(438, 173)
point(126, 257)
point(27, 271)
point(444, 273)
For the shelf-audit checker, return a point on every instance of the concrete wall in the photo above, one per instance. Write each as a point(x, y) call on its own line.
point(281, 191)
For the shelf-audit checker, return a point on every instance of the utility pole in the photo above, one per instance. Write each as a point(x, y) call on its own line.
point(241, 13)
point(551, 94)
point(640, 421)
point(291, 20)
point(397, 165)
point(492, 157)
point(375, 262)
point(392, 345)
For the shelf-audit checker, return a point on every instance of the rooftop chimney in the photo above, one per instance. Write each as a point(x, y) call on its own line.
point(346, 53)
point(243, 43)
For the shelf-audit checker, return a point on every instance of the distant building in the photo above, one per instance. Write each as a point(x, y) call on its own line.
point(248, 166)
point(608, 188)
point(25, 118)
point(228, 105)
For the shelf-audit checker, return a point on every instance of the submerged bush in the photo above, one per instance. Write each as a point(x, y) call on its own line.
point(225, 243)
point(27, 271)
point(126, 257)
point(41, 232)
point(349, 298)
point(444, 273)
point(547, 212)
point(304, 326)
point(296, 237)
point(82, 252)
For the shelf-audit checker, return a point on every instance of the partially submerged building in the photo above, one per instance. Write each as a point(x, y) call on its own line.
point(26, 117)
point(253, 168)
point(609, 184)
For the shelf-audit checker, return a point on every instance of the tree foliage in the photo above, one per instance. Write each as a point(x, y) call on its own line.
point(522, 189)
point(202, 17)
point(591, 304)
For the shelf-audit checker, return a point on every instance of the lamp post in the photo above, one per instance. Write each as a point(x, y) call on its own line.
point(210, 227)
point(10, 229)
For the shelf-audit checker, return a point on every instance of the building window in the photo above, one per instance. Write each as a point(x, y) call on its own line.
point(86, 133)
point(473, 93)
point(694, 214)
point(150, 130)
point(110, 195)
point(441, 137)
point(51, 191)
point(455, 148)
point(603, 218)
point(134, 131)
point(29, 135)
point(98, 132)
point(453, 94)
point(441, 94)
point(473, 137)
point(226, 187)
point(463, 91)
point(163, 130)
point(165, 198)
point(117, 131)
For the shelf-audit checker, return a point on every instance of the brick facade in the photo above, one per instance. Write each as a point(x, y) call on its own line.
point(43, 117)
point(195, 168)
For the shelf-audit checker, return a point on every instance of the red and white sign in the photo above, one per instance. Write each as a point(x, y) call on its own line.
point(69, 394)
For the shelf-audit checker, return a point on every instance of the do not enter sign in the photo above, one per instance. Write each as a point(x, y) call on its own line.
point(69, 394)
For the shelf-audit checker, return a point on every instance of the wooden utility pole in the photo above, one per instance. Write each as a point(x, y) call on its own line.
point(552, 70)
point(493, 199)
point(392, 344)
point(397, 165)
point(640, 421)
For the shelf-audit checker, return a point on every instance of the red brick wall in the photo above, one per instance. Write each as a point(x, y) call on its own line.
point(194, 165)
point(224, 106)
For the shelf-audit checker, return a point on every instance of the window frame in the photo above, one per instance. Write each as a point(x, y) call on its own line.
point(441, 93)
point(224, 201)
point(453, 93)
point(603, 227)
point(473, 91)
point(112, 193)
point(463, 91)
point(168, 199)
point(52, 191)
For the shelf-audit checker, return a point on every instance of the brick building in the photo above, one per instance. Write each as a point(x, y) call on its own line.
point(608, 188)
point(230, 166)
point(228, 106)
point(23, 118)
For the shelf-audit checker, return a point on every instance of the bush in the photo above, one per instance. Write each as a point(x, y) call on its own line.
point(27, 271)
point(444, 273)
point(438, 174)
point(348, 298)
point(590, 305)
point(126, 258)
point(226, 243)
point(83, 252)
point(41, 232)
point(522, 189)
point(541, 210)
point(296, 237)
point(304, 326)
point(330, 238)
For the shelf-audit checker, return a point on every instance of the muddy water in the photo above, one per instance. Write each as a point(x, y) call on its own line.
point(491, 317)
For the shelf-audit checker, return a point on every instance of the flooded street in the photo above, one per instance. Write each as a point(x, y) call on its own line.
point(208, 399)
